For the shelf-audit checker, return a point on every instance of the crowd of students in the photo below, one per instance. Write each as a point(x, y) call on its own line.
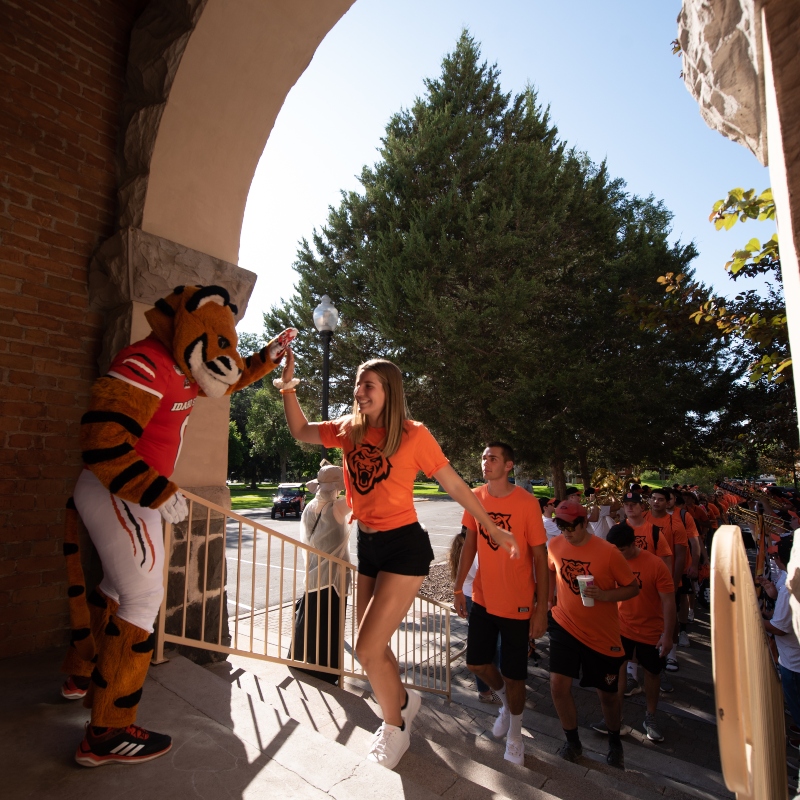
point(619, 595)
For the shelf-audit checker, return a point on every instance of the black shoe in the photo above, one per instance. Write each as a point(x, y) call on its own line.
point(131, 745)
point(615, 758)
point(570, 752)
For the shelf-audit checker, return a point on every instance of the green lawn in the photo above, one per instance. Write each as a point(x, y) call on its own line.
point(243, 497)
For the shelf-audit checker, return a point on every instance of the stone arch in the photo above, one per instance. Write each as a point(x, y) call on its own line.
point(205, 81)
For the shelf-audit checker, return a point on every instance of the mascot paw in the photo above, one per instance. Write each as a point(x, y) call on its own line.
point(175, 509)
point(276, 349)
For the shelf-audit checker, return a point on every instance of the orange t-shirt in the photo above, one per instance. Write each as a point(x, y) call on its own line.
point(502, 585)
point(597, 627)
point(380, 490)
point(644, 539)
point(700, 518)
point(642, 617)
point(691, 531)
point(713, 515)
point(670, 529)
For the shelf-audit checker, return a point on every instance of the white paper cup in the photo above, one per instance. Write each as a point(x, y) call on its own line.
point(583, 582)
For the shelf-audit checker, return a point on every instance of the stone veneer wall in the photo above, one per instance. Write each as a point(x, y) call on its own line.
point(63, 68)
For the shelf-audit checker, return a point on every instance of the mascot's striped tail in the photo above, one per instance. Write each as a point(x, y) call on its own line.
point(88, 615)
point(81, 640)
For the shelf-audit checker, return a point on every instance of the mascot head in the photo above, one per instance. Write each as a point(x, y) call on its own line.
point(197, 325)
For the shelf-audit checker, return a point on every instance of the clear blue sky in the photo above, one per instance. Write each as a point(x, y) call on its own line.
point(605, 69)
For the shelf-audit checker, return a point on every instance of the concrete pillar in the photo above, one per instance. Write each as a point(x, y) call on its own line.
point(130, 272)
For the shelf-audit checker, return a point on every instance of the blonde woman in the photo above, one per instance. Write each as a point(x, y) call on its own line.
point(383, 450)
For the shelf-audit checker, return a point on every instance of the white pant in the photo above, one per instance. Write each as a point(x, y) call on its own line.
point(130, 542)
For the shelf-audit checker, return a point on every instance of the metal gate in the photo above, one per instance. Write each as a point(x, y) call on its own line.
point(232, 585)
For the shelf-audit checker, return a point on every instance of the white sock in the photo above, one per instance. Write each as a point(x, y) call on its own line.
point(501, 693)
point(674, 652)
point(515, 731)
point(633, 670)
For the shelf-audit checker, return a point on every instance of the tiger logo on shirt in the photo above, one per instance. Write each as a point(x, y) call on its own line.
point(638, 576)
point(503, 521)
point(570, 569)
point(641, 542)
point(367, 466)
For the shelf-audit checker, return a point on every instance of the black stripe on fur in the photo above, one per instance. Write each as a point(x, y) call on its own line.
point(193, 303)
point(75, 591)
point(129, 423)
point(98, 679)
point(71, 504)
point(153, 491)
point(106, 453)
point(79, 634)
point(147, 646)
point(127, 475)
point(129, 700)
point(70, 549)
point(165, 308)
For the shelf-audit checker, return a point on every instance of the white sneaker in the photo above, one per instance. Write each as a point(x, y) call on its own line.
point(691, 615)
point(389, 745)
point(683, 639)
point(502, 723)
point(515, 751)
point(412, 708)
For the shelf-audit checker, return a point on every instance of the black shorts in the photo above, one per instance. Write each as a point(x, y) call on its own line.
point(569, 656)
point(482, 633)
point(404, 551)
point(685, 587)
point(646, 654)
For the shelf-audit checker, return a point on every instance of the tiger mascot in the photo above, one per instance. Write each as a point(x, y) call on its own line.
point(130, 439)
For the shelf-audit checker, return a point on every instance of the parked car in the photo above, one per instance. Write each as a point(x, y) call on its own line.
point(538, 482)
point(289, 499)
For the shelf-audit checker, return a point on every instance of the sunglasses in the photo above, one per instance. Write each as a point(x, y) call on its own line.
point(566, 526)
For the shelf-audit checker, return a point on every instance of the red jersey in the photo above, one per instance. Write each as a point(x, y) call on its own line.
point(642, 617)
point(505, 586)
point(149, 366)
point(596, 626)
point(380, 490)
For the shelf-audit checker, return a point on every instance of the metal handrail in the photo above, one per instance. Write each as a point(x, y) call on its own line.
point(421, 643)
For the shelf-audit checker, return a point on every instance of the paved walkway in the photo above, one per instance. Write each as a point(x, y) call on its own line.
point(687, 715)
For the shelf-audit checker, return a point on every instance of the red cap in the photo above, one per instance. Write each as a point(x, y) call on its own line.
point(569, 511)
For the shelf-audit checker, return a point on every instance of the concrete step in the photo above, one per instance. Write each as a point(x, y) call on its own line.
point(452, 739)
point(320, 767)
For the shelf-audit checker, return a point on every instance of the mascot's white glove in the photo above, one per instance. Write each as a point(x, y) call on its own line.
point(175, 510)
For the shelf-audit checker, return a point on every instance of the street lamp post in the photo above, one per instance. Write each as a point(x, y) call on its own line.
point(326, 318)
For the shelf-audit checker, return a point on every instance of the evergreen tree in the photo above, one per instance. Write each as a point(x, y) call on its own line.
point(489, 261)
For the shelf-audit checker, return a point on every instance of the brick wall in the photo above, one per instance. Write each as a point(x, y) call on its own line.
point(61, 81)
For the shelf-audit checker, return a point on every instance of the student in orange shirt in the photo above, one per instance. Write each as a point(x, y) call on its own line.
point(509, 597)
point(643, 530)
point(383, 450)
point(646, 622)
point(585, 640)
point(673, 529)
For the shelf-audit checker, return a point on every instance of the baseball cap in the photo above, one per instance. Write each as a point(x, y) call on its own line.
point(632, 497)
point(569, 512)
point(571, 490)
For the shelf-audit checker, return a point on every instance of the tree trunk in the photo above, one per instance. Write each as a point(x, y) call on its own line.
point(559, 478)
point(583, 462)
point(283, 467)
